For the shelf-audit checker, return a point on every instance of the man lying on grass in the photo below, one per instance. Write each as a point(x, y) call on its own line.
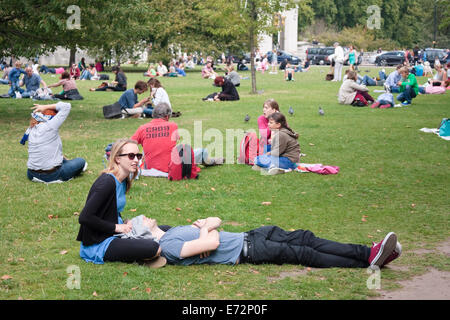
point(201, 243)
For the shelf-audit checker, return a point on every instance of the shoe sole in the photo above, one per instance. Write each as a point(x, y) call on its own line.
point(387, 247)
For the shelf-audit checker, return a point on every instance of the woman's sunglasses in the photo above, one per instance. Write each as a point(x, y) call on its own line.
point(132, 155)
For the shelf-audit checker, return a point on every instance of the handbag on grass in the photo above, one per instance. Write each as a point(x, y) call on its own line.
point(112, 111)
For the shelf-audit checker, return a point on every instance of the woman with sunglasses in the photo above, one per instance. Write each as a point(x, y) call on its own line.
point(101, 219)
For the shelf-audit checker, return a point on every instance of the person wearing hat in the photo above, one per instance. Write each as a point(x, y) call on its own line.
point(229, 92)
point(46, 162)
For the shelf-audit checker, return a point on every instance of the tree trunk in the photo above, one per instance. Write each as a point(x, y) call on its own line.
point(73, 51)
point(252, 58)
point(253, 21)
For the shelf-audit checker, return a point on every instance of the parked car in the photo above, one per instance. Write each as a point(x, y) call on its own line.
point(244, 57)
point(281, 55)
point(390, 58)
point(311, 54)
point(432, 53)
point(321, 57)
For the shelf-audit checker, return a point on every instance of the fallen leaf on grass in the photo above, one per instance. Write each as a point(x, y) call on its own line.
point(189, 220)
point(178, 209)
point(268, 219)
point(95, 294)
point(76, 213)
point(213, 189)
point(133, 210)
point(254, 271)
point(63, 252)
point(6, 277)
point(148, 290)
point(363, 219)
point(413, 205)
point(125, 274)
point(135, 288)
point(340, 195)
point(331, 289)
point(311, 144)
point(266, 203)
point(50, 216)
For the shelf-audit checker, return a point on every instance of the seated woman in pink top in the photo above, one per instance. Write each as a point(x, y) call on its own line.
point(270, 106)
point(70, 91)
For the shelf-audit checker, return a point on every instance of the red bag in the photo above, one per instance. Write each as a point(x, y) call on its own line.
point(182, 163)
point(249, 149)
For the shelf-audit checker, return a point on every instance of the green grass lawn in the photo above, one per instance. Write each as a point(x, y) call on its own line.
point(391, 174)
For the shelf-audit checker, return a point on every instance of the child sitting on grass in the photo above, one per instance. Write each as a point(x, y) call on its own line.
point(285, 149)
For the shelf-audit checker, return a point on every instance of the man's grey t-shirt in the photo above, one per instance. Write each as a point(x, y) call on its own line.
point(172, 242)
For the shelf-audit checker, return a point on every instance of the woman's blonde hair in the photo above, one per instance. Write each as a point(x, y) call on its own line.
point(113, 168)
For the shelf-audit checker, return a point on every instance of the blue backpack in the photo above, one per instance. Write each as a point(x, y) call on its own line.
point(444, 128)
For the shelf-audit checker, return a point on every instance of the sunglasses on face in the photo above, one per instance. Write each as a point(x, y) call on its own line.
point(132, 155)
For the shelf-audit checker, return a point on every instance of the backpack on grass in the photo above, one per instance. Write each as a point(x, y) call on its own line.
point(249, 149)
point(444, 127)
point(182, 163)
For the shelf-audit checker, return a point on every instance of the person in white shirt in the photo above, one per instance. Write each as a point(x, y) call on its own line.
point(338, 57)
point(46, 162)
point(161, 69)
point(158, 93)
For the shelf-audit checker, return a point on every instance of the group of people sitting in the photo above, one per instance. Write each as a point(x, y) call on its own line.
point(106, 237)
point(402, 80)
point(33, 82)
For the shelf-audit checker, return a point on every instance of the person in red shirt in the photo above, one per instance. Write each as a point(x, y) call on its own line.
point(74, 72)
point(158, 138)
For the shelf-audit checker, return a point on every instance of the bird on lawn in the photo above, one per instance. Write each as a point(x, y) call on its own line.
point(247, 118)
point(321, 112)
point(291, 111)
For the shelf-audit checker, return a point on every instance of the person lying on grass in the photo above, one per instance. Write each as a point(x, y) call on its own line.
point(201, 243)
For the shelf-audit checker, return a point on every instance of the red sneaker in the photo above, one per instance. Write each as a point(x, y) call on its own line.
point(382, 250)
point(385, 106)
point(395, 254)
point(376, 104)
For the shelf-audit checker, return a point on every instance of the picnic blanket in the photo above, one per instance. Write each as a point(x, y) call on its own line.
point(435, 131)
point(315, 168)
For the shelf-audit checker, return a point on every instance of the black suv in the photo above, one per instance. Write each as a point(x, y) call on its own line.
point(319, 55)
point(433, 53)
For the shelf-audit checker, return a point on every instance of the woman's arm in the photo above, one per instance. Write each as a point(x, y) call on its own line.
point(99, 194)
point(55, 84)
